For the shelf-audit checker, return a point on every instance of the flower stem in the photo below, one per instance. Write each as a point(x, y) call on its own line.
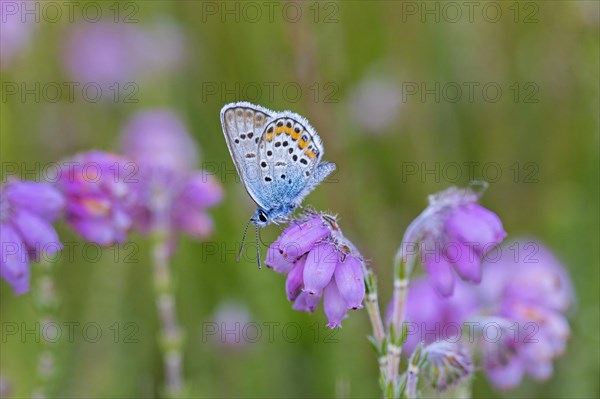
point(403, 267)
point(412, 381)
point(412, 372)
point(46, 304)
point(396, 338)
point(171, 335)
point(372, 306)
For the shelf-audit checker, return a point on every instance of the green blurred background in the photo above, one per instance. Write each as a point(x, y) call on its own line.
point(346, 57)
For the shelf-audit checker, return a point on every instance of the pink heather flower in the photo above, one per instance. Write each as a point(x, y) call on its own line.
point(295, 279)
point(106, 52)
point(350, 281)
point(319, 266)
point(98, 190)
point(198, 192)
point(15, 34)
point(158, 138)
point(170, 194)
point(528, 287)
point(295, 241)
point(334, 305)
point(320, 263)
point(306, 302)
point(430, 317)
point(27, 210)
point(446, 364)
point(103, 53)
point(521, 302)
point(454, 234)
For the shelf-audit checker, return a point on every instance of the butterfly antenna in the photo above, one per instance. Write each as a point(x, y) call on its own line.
point(257, 248)
point(239, 255)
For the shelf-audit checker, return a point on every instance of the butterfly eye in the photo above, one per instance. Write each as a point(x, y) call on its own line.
point(262, 217)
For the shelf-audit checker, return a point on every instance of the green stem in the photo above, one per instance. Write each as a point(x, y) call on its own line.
point(171, 335)
point(46, 305)
point(412, 372)
point(404, 262)
point(372, 306)
point(396, 335)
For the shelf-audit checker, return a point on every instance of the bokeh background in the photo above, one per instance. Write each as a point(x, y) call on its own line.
point(363, 70)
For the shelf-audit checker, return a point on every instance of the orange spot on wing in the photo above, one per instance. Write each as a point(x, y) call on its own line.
point(310, 154)
point(302, 144)
point(269, 136)
point(283, 129)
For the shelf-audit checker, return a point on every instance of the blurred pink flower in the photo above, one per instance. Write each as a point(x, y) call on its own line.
point(107, 53)
point(27, 210)
point(158, 138)
point(432, 317)
point(532, 289)
point(374, 104)
point(170, 194)
point(522, 298)
point(98, 189)
point(230, 325)
point(15, 33)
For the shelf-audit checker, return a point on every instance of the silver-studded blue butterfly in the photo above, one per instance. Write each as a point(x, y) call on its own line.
point(277, 155)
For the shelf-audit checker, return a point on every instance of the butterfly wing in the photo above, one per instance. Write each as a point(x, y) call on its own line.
point(243, 124)
point(322, 170)
point(289, 152)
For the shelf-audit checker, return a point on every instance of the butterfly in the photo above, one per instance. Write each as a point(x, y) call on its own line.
point(278, 157)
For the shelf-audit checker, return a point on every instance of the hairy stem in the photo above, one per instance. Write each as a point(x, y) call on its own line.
point(171, 335)
point(372, 306)
point(398, 307)
point(412, 372)
point(47, 303)
point(403, 266)
point(412, 379)
point(395, 341)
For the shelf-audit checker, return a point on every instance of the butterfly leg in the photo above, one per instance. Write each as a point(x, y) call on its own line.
point(257, 249)
point(239, 255)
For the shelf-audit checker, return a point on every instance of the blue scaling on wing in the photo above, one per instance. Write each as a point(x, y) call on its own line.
point(289, 153)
